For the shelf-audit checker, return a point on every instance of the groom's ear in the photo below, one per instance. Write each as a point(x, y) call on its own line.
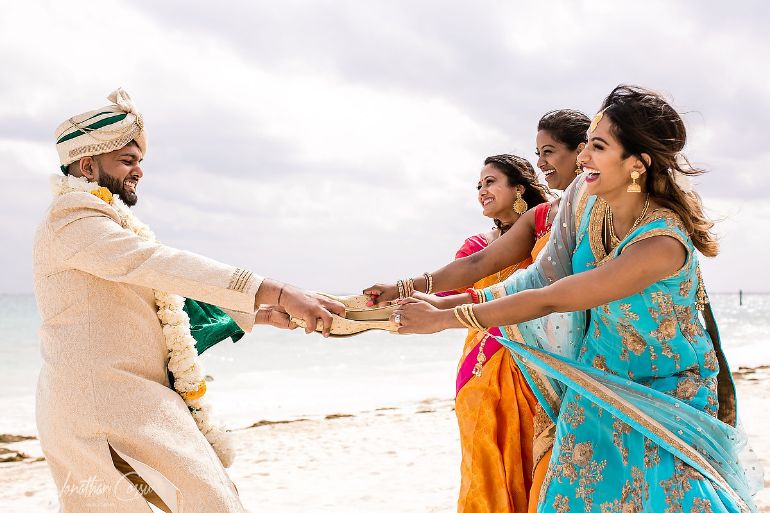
point(87, 168)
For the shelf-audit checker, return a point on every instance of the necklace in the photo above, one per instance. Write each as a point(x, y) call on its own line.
point(611, 238)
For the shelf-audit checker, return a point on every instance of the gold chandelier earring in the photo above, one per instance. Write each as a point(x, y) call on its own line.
point(578, 170)
point(634, 186)
point(520, 205)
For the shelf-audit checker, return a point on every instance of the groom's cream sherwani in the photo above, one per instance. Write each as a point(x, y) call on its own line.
point(104, 379)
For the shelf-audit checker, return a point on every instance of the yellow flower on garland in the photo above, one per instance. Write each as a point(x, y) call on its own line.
point(104, 194)
point(195, 394)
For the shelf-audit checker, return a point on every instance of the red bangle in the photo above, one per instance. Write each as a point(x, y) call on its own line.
point(474, 295)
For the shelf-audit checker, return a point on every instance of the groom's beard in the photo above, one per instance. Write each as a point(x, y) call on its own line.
point(115, 186)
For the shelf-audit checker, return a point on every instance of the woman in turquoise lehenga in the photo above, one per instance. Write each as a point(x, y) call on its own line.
point(635, 382)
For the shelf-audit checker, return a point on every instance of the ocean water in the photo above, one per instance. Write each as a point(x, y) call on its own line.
point(279, 375)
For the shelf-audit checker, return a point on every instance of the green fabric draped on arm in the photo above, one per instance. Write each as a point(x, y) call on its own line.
point(209, 325)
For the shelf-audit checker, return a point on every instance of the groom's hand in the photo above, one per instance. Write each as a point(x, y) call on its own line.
point(274, 315)
point(310, 307)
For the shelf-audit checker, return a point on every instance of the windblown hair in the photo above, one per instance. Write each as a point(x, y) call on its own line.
point(519, 171)
point(644, 122)
point(567, 126)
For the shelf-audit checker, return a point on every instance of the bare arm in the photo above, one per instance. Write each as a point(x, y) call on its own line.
point(639, 266)
point(512, 247)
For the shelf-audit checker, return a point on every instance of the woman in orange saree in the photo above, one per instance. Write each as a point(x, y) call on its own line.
point(494, 405)
point(495, 408)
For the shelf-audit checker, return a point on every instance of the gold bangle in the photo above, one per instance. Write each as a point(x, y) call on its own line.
point(428, 283)
point(462, 315)
point(457, 310)
point(400, 285)
point(480, 294)
point(472, 318)
point(409, 287)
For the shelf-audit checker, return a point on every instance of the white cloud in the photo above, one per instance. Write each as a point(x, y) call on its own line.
point(333, 144)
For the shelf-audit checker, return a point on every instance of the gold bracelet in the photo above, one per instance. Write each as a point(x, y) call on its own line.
point(462, 315)
point(409, 286)
point(400, 285)
point(472, 318)
point(428, 283)
point(457, 311)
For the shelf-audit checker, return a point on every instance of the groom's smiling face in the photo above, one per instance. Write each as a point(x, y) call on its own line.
point(119, 172)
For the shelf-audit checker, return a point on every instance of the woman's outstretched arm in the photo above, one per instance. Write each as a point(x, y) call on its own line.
point(638, 267)
point(512, 247)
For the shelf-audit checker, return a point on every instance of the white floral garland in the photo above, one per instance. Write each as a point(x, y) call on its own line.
point(189, 378)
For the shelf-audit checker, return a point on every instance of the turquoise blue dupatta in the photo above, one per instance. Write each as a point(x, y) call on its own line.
point(647, 362)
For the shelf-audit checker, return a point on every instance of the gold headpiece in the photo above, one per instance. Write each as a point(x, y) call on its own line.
point(595, 121)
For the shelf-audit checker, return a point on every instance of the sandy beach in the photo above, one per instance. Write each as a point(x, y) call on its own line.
point(382, 460)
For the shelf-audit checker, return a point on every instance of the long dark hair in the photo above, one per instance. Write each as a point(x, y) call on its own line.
point(519, 171)
point(644, 122)
point(567, 126)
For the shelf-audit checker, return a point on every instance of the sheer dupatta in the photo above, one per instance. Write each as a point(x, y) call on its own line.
point(561, 333)
point(547, 352)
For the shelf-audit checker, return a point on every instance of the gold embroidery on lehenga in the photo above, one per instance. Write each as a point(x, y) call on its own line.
point(597, 333)
point(626, 307)
point(651, 453)
point(632, 340)
point(653, 359)
point(678, 485)
point(664, 315)
point(666, 329)
point(633, 496)
point(561, 504)
point(582, 454)
point(667, 351)
point(701, 298)
point(700, 505)
point(686, 389)
point(620, 428)
point(590, 474)
point(575, 463)
point(600, 362)
point(712, 402)
point(574, 414)
point(688, 322)
point(710, 361)
point(606, 395)
point(564, 468)
point(685, 287)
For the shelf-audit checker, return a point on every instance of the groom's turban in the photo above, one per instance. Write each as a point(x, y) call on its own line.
point(101, 130)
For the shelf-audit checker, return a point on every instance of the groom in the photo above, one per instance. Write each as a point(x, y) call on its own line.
point(104, 399)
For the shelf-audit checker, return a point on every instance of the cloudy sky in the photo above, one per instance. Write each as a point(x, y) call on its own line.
point(337, 143)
